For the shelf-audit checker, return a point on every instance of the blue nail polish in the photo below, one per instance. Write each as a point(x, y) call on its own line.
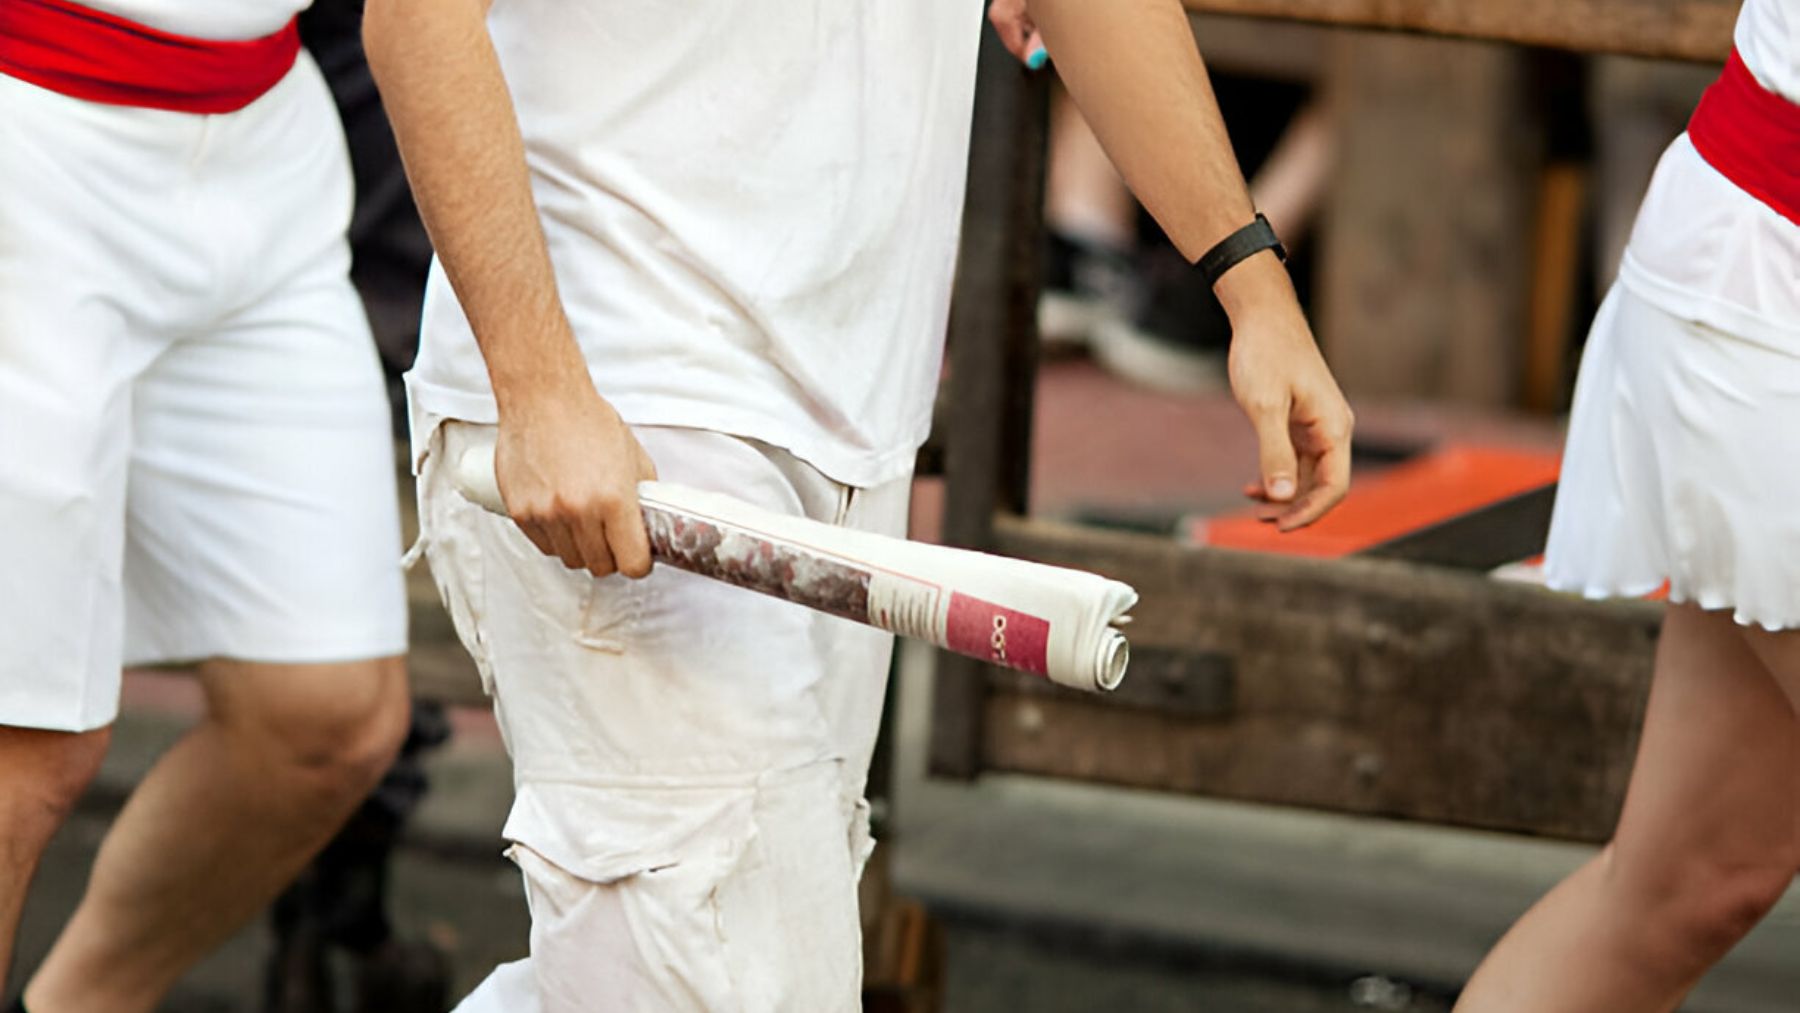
point(1037, 59)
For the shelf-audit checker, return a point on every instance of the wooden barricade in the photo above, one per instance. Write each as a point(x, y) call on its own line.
point(1669, 29)
point(1378, 687)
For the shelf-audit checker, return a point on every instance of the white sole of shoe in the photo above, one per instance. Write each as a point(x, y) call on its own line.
point(1132, 355)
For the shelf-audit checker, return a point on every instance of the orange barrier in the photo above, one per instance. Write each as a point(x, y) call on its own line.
point(1434, 487)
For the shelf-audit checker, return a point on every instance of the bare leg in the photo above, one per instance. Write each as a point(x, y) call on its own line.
point(41, 776)
point(1084, 197)
point(222, 823)
point(1705, 846)
point(1290, 184)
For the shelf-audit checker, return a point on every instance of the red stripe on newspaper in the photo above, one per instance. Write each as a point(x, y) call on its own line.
point(1003, 636)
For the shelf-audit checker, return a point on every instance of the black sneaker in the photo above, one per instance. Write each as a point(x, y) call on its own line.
point(1177, 337)
point(1084, 284)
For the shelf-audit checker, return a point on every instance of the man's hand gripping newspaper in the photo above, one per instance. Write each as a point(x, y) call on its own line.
point(1055, 622)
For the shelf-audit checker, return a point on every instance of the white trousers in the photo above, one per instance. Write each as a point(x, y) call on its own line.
point(689, 757)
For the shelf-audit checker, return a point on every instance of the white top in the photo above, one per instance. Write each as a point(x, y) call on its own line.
point(206, 19)
point(752, 210)
point(1707, 251)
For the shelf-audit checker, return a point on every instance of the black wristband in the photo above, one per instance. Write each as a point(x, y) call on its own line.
point(1235, 248)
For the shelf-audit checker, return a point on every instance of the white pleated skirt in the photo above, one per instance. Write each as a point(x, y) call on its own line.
point(1682, 466)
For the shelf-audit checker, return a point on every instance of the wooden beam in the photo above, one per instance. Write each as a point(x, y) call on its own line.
point(1277, 50)
point(1557, 267)
point(1674, 29)
point(1361, 686)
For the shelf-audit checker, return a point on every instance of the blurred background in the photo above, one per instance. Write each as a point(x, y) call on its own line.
point(1454, 209)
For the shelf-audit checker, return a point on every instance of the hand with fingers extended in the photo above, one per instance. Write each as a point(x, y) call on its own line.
point(1303, 424)
point(568, 469)
point(1017, 32)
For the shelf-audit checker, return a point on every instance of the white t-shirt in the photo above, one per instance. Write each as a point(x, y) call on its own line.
point(752, 210)
point(206, 19)
point(1707, 251)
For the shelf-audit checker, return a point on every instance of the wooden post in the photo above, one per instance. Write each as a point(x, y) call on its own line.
point(993, 358)
point(1427, 233)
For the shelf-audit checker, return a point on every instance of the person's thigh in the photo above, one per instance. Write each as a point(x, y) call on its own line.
point(1713, 790)
point(64, 444)
point(1780, 654)
point(87, 275)
point(1779, 651)
point(263, 518)
point(788, 923)
point(345, 719)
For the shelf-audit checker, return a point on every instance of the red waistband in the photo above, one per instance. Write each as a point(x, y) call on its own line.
point(1752, 136)
point(100, 57)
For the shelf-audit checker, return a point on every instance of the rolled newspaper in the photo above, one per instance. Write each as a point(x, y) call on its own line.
point(1055, 622)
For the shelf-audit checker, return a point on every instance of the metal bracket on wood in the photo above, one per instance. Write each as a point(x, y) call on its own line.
point(1172, 682)
point(1180, 683)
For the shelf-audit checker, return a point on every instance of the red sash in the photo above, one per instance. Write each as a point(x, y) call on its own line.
point(88, 54)
point(1752, 136)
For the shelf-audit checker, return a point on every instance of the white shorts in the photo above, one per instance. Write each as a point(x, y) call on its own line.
point(195, 447)
point(689, 757)
point(1680, 466)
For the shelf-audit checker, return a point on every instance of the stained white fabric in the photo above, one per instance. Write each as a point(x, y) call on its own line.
point(1677, 467)
point(666, 734)
point(195, 446)
point(761, 922)
point(1706, 251)
point(752, 211)
point(206, 19)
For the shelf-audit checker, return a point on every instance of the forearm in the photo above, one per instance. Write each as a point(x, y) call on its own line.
point(459, 137)
point(1133, 68)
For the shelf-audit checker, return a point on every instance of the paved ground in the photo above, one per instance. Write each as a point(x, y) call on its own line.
point(1057, 898)
point(454, 890)
point(475, 910)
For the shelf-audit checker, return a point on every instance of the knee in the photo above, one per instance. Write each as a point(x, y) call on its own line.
point(1722, 904)
point(1701, 906)
point(337, 740)
point(45, 773)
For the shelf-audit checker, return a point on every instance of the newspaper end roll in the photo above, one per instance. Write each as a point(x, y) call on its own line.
point(1054, 622)
point(473, 473)
point(1115, 657)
